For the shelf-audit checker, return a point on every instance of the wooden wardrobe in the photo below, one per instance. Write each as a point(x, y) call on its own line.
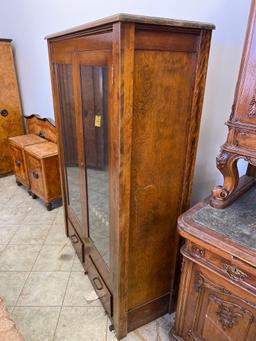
point(11, 123)
point(128, 93)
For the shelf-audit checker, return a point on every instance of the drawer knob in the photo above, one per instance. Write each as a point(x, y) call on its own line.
point(35, 175)
point(234, 273)
point(97, 283)
point(4, 112)
point(74, 239)
point(17, 163)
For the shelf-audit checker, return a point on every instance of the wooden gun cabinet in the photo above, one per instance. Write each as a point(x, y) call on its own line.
point(128, 93)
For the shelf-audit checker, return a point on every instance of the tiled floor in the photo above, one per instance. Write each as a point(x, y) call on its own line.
point(42, 280)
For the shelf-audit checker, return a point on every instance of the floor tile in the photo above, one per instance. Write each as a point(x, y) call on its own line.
point(57, 235)
point(77, 265)
point(21, 198)
point(36, 323)
point(30, 234)
point(157, 330)
point(11, 284)
point(81, 323)
point(59, 219)
point(18, 257)
point(79, 286)
point(39, 215)
point(2, 247)
point(55, 258)
point(6, 233)
point(44, 289)
point(13, 215)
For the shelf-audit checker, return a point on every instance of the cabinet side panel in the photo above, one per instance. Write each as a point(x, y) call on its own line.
point(163, 91)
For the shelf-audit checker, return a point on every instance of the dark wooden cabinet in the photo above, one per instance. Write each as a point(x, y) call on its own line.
point(217, 295)
point(128, 93)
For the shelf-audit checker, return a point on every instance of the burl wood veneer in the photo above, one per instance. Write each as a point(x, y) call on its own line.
point(17, 145)
point(241, 139)
point(11, 123)
point(128, 93)
point(43, 172)
point(35, 159)
point(217, 295)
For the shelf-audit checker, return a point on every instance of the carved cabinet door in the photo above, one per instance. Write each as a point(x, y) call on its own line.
point(218, 310)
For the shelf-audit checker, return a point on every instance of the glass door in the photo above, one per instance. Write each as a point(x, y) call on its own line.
point(70, 139)
point(94, 73)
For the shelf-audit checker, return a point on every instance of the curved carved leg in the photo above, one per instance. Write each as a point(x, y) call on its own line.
point(227, 165)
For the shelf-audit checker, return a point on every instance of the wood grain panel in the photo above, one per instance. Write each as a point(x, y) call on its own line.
point(11, 124)
point(162, 106)
point(158, 40)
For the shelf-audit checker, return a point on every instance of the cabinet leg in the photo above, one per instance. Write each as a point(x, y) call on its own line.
point(49, 206)
point(111, 328)
point(227, 165)
point(18, 183)
point(33, 195)
point(29, 192)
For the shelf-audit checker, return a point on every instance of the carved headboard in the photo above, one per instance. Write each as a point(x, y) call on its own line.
point(44, 127)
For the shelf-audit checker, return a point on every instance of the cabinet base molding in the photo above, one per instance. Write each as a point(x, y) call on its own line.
point(148, 312)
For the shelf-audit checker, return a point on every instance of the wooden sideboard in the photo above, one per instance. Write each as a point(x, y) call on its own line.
point(217, 295)
point(128, 93)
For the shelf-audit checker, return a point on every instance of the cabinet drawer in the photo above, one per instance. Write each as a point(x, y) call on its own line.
point(19, 165)
point(76, 242)
point(35, 175)
point(99, 285)
point(232, 267)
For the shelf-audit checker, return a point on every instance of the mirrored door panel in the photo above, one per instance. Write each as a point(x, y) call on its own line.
point(94, 94)
point(69, 137)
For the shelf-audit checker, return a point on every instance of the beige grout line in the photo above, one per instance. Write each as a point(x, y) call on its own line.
point(63, 300)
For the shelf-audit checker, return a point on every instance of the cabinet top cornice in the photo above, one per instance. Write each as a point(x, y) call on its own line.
point(139, 19)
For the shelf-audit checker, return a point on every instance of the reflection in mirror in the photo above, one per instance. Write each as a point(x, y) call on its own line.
point(69, 136)
point(94, 104)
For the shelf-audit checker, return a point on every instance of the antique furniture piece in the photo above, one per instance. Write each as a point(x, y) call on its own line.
point(43, 172)
point(241, 139)
point(217, 295)
point(35, 158)
point(11, 123)
point(17, 145)
point(128, 93)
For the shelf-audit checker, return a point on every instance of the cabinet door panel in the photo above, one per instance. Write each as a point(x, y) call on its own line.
point(94, 79)
point(69, 138)
point(219, 312)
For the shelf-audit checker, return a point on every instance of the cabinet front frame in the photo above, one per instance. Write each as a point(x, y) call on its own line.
point(68, 59)
point(93, 58)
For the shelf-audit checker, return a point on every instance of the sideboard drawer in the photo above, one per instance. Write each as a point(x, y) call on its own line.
point(19, 165)
point(233, 268)
point(35, 175)
point(76, 241)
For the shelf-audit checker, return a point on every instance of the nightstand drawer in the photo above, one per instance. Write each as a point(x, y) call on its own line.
point(19, 165)
point(35, 175)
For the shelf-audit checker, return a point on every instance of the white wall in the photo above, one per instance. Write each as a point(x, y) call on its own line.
point(28, 21)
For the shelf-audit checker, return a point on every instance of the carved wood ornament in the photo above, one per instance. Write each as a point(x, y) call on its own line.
point(252, 108)
point(241, 139)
